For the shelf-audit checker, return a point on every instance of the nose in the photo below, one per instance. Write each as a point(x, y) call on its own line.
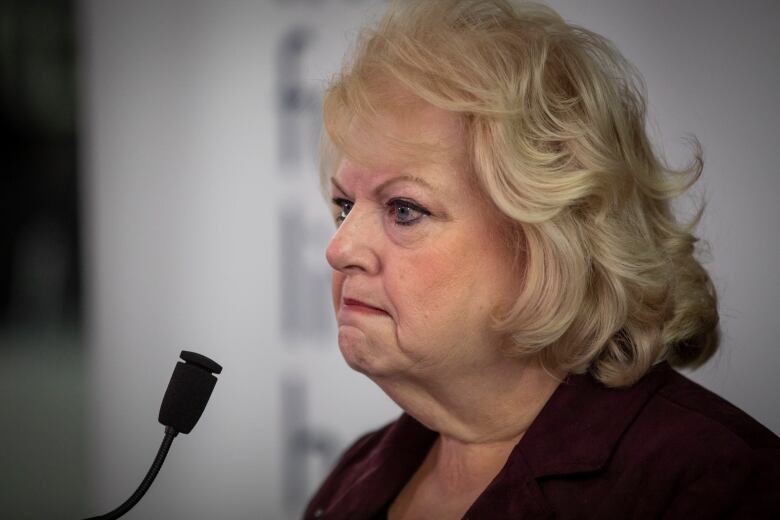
point(352, 248)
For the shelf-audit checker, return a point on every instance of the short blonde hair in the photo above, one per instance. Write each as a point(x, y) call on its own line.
point(555, 124)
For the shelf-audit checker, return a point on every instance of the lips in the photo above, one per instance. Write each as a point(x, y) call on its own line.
point(353, 304)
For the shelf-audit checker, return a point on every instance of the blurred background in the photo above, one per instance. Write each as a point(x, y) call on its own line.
point(159, 193)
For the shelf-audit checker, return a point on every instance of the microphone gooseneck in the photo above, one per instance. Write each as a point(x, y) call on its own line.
point(146, 483)
point(185, 399)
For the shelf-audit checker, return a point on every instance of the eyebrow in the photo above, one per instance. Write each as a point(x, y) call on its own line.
point(390, 182)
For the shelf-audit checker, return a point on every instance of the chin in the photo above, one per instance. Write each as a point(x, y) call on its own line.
point(361, 354)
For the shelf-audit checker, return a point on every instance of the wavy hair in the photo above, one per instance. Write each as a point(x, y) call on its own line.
point(554, 118)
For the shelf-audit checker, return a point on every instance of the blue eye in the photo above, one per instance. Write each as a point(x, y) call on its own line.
point(405, 212)
point(345, 207)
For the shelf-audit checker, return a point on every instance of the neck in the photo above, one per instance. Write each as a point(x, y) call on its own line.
point(490, 406)
point(481, 414)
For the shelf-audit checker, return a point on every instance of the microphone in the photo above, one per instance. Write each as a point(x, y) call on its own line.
point(188, 392)
point(185, 399)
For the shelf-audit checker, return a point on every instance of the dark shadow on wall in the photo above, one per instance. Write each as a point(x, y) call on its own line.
point(39, 265)
point(42, 472)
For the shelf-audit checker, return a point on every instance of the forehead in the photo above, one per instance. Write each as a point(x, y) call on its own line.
point(410, 138)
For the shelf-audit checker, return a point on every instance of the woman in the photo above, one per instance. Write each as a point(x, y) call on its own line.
point(507, 269)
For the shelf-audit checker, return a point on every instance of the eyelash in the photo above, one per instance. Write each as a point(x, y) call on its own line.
point(340, 203)
point(392, 205)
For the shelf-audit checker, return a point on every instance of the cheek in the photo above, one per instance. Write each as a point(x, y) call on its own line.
point(426, 285)
point(454, 286)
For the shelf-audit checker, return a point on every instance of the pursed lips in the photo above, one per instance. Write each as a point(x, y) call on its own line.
point(352, 304)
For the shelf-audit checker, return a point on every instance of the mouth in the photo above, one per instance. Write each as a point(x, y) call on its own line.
point(350, 304)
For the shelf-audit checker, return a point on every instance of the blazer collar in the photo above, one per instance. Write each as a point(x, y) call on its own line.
point(381, 473)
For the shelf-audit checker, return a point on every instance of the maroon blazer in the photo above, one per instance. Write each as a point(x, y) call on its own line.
point(664, 448)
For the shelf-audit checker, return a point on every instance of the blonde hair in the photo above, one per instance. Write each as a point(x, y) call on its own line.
point(555, 124)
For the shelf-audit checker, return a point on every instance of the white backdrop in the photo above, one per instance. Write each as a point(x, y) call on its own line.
point(205, 230)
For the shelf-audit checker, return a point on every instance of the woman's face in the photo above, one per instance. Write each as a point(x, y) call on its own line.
point(419, 263)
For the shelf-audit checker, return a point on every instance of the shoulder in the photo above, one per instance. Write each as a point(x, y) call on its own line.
point(683, 413)
point(710, 458)
point(665, 446)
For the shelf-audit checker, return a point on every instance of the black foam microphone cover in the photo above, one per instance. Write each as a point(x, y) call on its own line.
point(188, 392)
